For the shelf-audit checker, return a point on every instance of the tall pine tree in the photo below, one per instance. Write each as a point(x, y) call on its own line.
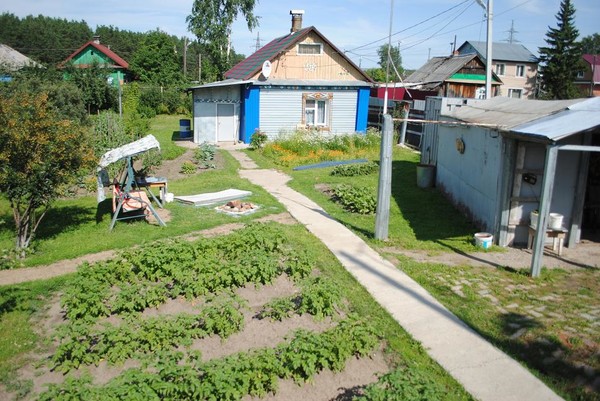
point(561, 59)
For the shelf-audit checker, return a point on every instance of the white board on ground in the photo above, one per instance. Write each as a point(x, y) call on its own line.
point(213, 197)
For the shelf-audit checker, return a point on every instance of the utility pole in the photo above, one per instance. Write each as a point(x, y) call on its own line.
point(257, 45)
point(488, 55)
point(185, 45)
point(387, 68)
point(511, 33)
point(199, 68)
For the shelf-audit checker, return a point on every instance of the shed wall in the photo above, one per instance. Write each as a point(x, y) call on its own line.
point(471, 180)
point(205, 110)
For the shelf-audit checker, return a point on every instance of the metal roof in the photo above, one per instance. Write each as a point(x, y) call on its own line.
point(252, 64)
point(578, 117)
point(119, 62)
point(311, 82)
point(550, 120)
point(438, 69)
point(500, 51)
point(226, 82)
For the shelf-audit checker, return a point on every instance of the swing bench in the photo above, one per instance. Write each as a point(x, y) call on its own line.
point(129, 200)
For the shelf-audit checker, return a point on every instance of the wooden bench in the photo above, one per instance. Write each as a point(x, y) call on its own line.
point(557, 235)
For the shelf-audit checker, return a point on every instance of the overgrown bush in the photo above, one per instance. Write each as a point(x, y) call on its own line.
point(360, 200)
point(311, 146)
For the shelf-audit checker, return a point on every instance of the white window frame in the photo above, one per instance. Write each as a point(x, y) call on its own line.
point(500, 69)
point(306, 45)
point(580, 74)
point(520, 91)
point(520, 72)
point(319, 104)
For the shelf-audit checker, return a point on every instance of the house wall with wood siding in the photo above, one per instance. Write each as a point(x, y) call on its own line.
point(328, 65)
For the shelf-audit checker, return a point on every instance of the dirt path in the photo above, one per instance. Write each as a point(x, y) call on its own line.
point(62, 267)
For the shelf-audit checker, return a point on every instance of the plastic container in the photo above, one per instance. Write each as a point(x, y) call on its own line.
point(483, 240)
point(185, 128)
point(555, 221)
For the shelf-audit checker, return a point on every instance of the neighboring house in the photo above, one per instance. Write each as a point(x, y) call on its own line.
point(511, 62)
point(508, 157)
point(12, 60)
point(95, 53)
point(588, 78)
point(453, 76)
point(297, 81)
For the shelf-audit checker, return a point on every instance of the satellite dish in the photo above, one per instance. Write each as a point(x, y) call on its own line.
point(266, 68)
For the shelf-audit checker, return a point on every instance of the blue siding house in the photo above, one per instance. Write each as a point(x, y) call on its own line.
point(297, 81)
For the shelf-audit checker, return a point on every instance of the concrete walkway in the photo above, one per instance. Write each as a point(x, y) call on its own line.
point(484, 371)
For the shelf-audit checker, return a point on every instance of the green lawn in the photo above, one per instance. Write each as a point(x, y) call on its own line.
point(549, 324)
point(79, 226)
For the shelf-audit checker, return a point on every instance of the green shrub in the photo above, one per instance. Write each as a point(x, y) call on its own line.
point(258, 140)
point(360, 200)
point(351, 170)
point(188, 168)
point(205, 155)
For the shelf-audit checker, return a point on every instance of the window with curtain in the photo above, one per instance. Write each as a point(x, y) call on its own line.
point(316, 109)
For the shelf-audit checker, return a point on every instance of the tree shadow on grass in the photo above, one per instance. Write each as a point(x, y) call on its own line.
point(548, 355)
point(64, 219)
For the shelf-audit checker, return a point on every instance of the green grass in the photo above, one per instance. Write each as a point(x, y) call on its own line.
point(76, 227)
point(26, 300)
point(547, 324)
point(18, 305)
point(166, 129)
point(419, 218)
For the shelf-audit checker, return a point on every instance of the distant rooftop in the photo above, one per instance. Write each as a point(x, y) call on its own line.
point(500, 51)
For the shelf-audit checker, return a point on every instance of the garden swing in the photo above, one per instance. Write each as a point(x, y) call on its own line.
point(128, 198)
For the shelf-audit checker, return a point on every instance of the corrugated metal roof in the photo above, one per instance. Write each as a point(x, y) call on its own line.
point(506, 112)
point(502, 51)
point(578, 117)
point(551, 120)
point(438, 69)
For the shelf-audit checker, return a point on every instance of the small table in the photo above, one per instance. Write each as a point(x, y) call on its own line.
point(557, 234)
point(153, 182)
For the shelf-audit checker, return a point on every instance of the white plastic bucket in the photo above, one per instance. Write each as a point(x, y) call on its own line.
point(533, 220)
point(483, 240)
point(555, 221)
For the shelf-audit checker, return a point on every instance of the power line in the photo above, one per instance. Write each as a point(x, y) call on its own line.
point(413, 26)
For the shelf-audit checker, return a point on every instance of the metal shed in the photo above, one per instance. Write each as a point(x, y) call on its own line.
point(510, 164)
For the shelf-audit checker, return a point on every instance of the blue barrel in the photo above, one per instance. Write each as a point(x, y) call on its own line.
point(185, 128)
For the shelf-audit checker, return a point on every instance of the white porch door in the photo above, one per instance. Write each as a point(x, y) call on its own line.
point(225, 123)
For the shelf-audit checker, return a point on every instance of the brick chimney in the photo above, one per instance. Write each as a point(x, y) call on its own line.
point(296, 20)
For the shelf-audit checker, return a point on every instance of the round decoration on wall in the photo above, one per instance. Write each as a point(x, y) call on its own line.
point(460, 145)
point(266, 69)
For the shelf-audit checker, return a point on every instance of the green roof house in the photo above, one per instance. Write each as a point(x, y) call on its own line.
point(95, 53)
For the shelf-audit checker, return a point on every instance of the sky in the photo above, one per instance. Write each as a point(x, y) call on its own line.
point(422, 28)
